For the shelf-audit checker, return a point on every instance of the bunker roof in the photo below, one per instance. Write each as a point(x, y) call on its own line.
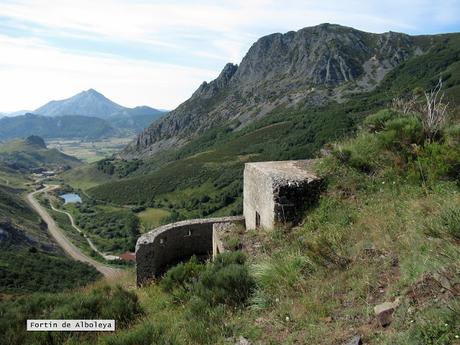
point(286, 171)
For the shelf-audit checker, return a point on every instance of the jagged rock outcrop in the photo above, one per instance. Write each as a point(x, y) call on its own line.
point(310, 67)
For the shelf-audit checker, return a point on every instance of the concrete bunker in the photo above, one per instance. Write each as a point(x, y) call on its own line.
point(274, 193)
point(169, 244)
point(278, 192)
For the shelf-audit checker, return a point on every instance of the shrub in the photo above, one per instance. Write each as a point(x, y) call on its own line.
point(437, 161)
point(232, 242)
point(103, 303)
point(225, 281)
point(181, 279)
point(452, 135)
point(402, 132)
point(100, 303)
point(360, 153)
point(376, 122)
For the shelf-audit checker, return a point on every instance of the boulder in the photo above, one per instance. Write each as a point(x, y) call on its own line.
point(384, 312)
point(356, 340)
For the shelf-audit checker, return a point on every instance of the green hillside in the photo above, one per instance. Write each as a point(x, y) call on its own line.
point(72, 126)
point(24, 155)
point(209, 167)
point(386, 228)
point(29, 260)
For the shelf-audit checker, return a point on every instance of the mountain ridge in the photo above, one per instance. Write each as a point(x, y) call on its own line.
point(308, 67)
point(87, 115)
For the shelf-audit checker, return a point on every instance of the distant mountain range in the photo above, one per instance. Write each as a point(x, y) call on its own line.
point(87, 115)
point(72, 126)
point(15, 113)
point(92, 103)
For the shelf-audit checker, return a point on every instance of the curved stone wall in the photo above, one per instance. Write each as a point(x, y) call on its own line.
point(172, 243)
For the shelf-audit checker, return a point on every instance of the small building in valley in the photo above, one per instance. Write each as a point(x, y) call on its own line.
point(278, 192)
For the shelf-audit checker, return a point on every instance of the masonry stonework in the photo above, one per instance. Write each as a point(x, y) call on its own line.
point(169, 244)
point(278, 192)
point(274, 193)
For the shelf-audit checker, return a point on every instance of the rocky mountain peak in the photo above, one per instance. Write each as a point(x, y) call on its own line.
point(93, 103)
point(208, 90)
point(312, 66)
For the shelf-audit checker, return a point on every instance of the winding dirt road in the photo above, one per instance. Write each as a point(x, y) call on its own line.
point(91, 244)
point(64, 242)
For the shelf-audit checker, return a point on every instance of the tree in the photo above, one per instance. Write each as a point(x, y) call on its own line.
point(433, 111)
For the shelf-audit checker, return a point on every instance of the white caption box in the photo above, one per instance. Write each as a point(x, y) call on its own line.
point(71, 325)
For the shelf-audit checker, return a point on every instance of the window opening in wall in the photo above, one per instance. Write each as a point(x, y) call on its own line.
point(257, 220)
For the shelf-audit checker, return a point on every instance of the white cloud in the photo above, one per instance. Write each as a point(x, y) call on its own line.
point(196, 33)
point(32, 73)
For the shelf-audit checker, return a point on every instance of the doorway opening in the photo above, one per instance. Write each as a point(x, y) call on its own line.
point(257, 220)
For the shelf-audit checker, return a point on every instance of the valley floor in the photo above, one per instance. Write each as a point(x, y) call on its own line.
point(61, 239)
point(90, 150)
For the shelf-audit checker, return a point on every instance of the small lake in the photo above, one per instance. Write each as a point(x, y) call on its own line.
point(70, 198)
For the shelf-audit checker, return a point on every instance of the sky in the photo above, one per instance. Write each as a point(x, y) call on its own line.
point(156, 53)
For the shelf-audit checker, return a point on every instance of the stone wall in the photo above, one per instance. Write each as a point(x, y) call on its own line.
point(169, 244)
point(220, 233)
point(292, 201)
point(278, 192)
point(257, 197)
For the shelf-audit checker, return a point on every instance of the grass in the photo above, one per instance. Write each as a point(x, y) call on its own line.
point(152, 218)
point(379, 231)
point(375, 234)
point(100, 302)
point(33, 270)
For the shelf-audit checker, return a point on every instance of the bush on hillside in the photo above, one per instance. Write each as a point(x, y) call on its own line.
point(452, 135)
point(180, 279)
point(401, 142)
point(436, 161)
point(360, 153)
point(100, 303)
point(400, 133)
point(225, 281)
point(376, 122)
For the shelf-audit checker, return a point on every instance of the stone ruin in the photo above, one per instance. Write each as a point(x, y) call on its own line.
point(170, 244)
point(278, 192)
point(275, 193)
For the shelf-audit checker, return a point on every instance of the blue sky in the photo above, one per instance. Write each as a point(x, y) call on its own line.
point(158, 52)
